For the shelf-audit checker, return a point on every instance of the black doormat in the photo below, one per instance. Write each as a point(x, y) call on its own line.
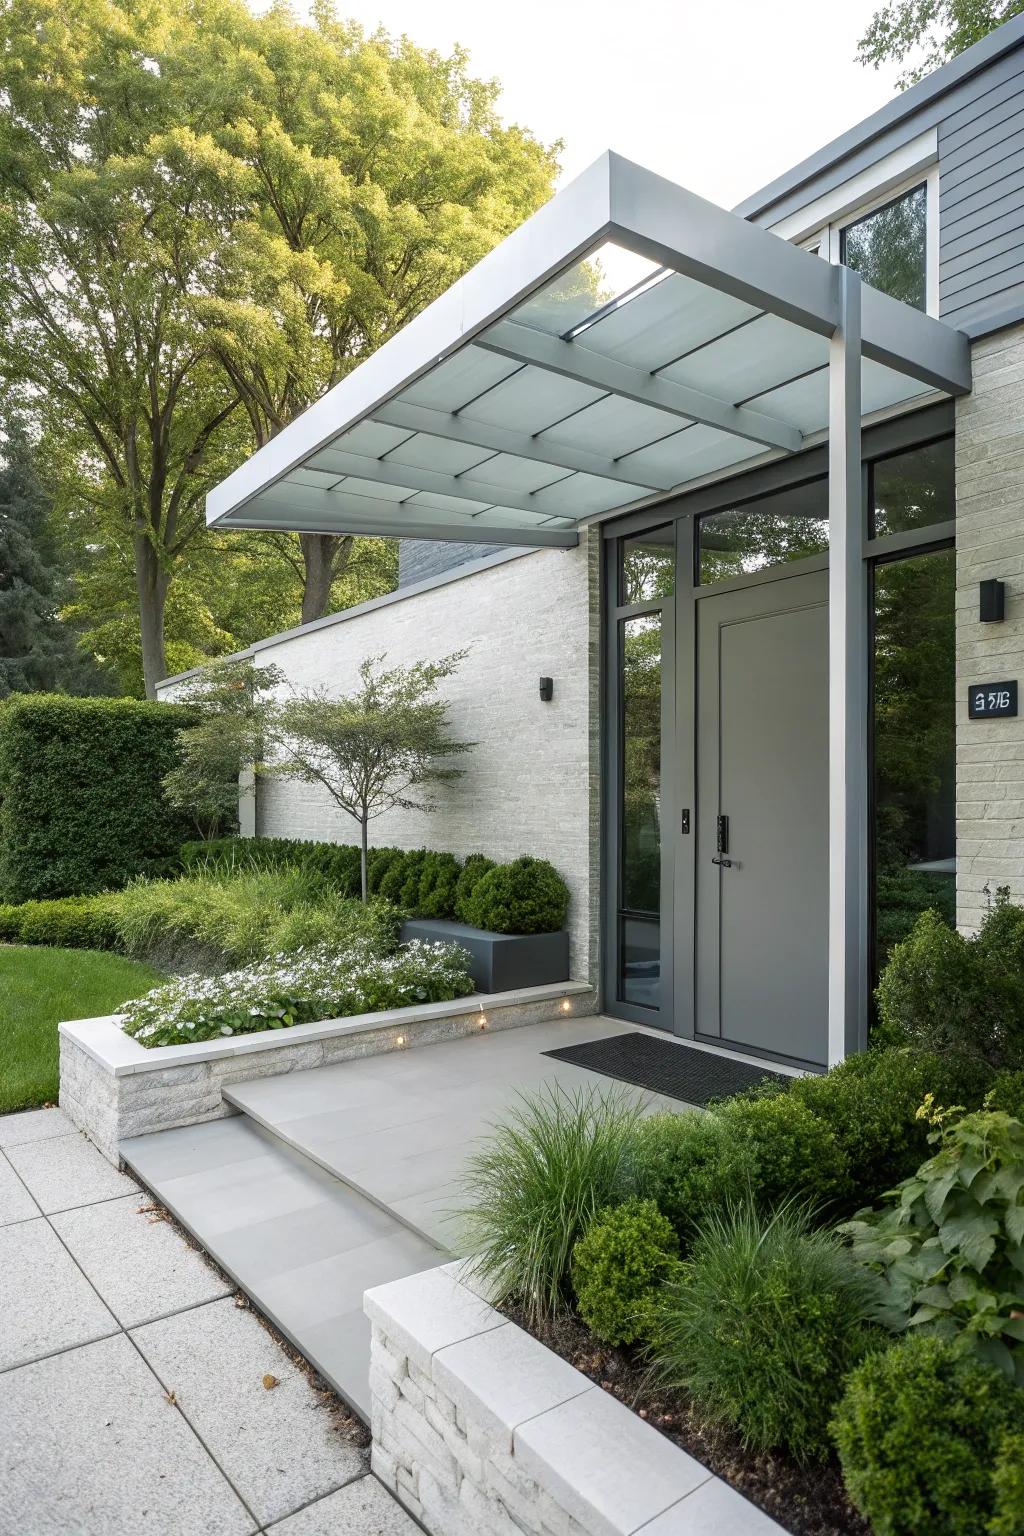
point(663, 1066)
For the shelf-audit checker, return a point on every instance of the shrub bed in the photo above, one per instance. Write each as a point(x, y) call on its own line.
point(714, 1262)
point(525, 896)
point(82, 807)
point(320, 983)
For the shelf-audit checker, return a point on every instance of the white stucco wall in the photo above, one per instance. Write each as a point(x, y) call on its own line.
point(990, 543)
point(530, 785)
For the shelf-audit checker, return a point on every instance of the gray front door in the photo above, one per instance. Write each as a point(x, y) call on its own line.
point(762, 760)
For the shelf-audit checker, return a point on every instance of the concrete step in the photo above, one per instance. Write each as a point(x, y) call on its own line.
point(398, 1127)
point(301, 1244)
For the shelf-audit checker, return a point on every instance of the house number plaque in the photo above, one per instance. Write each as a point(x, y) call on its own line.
point(992, 701)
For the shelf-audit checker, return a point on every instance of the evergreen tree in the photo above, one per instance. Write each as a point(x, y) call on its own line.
point(38, 651)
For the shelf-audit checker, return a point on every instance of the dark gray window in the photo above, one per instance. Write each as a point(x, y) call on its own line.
point(889, 247)
point(914, 717)
point(913, 490)
point(787, 525)
point(640, 760)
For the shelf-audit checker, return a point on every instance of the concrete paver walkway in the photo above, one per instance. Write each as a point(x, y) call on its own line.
point(132, 1387)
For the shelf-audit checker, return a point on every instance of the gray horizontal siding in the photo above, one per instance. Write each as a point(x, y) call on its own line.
point(981, 200)
point(420, 559)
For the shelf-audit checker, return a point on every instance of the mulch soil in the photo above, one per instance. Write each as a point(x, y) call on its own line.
point(806, 1500)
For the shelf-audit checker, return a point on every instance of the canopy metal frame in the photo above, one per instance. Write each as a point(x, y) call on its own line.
point(288, 483)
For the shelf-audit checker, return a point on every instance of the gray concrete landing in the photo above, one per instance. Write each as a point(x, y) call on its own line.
point(399, 1127)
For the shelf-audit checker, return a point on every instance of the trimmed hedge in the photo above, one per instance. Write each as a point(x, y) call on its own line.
point(70, 922)
point(525, 896)
point(82, 807)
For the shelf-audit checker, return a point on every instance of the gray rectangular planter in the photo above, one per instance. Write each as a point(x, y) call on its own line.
point(499, 962)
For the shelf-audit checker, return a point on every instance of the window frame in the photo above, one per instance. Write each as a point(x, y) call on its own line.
point(827, 238)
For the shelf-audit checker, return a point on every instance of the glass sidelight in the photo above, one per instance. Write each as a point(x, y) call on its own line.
point(645, 579)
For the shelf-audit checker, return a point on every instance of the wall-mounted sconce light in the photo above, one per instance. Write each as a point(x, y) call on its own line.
point(992, 601)
point(547, 689)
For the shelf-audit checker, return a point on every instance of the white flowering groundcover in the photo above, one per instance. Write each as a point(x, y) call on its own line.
point(299, 988)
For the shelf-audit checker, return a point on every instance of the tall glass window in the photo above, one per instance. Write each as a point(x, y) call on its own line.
point(645, 582)
point(888, 247)
point(914, 694)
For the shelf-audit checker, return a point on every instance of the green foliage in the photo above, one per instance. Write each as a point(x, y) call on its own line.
point(400, 882)
point(901, 895)
point(536, 1185)
point(768, 1317)
point(1008, 1488)
point(870, 1102)
point(473, 871)
point(422, 882)
point(39, 650)
point(381, 748)
point(930, 31)
point(438, 879)
point(919, 1431)
point(81, 801)
point(793, 1153)
point(1006, 1093)
point(229, 700)
point(324, 981)
point(946, 992)
point(208, 217)
point(690, 1165)
point(627, 1253)
point(69, 922)
point(338, 863)
point(949, 1248)
point(247, 915)
point(526, 896)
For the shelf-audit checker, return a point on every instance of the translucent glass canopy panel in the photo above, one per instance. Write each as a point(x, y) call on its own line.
point(571, 376)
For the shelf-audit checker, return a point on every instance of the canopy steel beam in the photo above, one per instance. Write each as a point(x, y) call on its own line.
point(541, 448)
point(575, 361)
point(408, 477)
point(312, 511)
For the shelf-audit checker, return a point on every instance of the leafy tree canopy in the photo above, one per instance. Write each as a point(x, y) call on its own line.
point(207, 217)
point(930, 31)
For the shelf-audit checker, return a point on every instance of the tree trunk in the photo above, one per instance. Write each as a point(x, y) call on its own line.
point(151, 585)
point(364, 828)
point(319, 562)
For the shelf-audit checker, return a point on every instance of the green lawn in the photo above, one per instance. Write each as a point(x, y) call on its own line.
point(38, 988)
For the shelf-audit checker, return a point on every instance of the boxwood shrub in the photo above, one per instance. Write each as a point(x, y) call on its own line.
point(619, 1265)
point(82, 807)
point(922, 1431)
point(526, 896)
point(473, 871)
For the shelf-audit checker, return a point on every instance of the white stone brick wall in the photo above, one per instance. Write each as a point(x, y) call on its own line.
point(113, 1088)
point(990, 543)
point(479, 1430)
point(531, 783)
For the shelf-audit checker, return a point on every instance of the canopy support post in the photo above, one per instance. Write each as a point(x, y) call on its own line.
point(848, 687)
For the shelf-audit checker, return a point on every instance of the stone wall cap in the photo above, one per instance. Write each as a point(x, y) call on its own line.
point(604, 1466)
point(103, 1039)
point(428, 1312)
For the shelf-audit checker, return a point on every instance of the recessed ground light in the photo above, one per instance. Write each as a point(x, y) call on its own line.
point(399, 1039)
point(565, 1005)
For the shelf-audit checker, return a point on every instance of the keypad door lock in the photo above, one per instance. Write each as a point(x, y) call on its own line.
point(722, 843)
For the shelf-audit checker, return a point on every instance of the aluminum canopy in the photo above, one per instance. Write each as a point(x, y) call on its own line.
point(523, 402)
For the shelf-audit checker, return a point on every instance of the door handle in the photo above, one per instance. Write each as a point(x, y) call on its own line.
point(724, 863)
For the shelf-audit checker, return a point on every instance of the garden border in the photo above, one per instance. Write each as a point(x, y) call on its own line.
point(481, 1430)
point(112, 1087)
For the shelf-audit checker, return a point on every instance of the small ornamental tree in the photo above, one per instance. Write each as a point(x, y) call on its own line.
point(233, 702)
point(380, 748)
